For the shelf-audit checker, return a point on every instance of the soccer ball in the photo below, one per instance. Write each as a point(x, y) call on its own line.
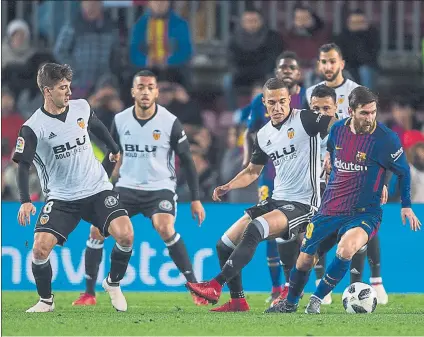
point(359, 298)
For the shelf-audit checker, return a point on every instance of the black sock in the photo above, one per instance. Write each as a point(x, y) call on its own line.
point(357, 266)
point(374, 256)
point(43, 278)
point(320, 267)
point(178, 253)
point(235, 284)
point(119, 259)
point(93, 258)
point(243, 253)
point(288, 254)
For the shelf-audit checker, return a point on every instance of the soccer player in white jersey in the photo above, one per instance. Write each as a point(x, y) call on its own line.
point(331, 64)
point(149, 136)
point(291, 140)
point(55, 138)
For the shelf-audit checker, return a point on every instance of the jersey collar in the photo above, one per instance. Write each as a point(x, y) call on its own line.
point(344, 81)
point(143, 122)
point(61, 117)
point(349, 120)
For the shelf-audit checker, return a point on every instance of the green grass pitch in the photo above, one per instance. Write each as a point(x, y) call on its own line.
point(161, 314)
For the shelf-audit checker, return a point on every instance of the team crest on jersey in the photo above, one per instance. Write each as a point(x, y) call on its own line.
point(361, 157)
point(165, 205)
point(290, 133)
point(156, 134)
point(44, 219)
point(81, 123)
point(341, 99)
point(20, 145)
point(111, 201)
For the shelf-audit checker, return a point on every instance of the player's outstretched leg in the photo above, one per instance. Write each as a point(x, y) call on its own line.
point(42, 270)
point(164, 225)
point(350, 243)
point(237, 303)
point(270, 224)
point(358, 265)
point(374, 258)
point(319, 273)
point(93, 258)
point(274, 266)
point(122, 231)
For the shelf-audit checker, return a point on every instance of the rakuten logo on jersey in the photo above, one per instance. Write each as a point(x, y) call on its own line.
point(348, 167)
point(140, 151)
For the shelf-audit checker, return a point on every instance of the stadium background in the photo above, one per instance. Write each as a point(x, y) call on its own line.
point(194, 85)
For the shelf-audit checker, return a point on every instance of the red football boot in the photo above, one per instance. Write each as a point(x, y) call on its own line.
point(200, 301)
point(211, 290)
point(85, 299)
point(283, 295)
point(233, 305)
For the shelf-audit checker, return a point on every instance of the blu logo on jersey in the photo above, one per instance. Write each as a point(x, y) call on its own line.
point(287, 153)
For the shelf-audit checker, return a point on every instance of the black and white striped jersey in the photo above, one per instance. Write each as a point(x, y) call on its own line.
point(294, 148)
point(60, 148)
point(148, 149)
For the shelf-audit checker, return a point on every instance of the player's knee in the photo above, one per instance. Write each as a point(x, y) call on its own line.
point(165, 230)
point(96, 235)
point(41, 250)
point(347, 250)
point(126, 238)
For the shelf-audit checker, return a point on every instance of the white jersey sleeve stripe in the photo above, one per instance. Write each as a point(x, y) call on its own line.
point(182, 139)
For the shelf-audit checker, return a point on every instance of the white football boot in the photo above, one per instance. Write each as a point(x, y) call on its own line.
point(43, 305)
point(377, 284)
point(116, 296)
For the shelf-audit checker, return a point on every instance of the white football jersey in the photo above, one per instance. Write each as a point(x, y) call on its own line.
point(343, 91)
point(294, 149)
point(148, 157)
point(64, 157)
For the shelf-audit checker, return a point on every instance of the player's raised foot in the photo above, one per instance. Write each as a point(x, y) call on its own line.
point(382, 297)
point(211, 290)
point(199, 301)
point(116, 296)
point(85, 299)
point(327, 300)
point(43, 305)
point(283, 306)
point(233, 305)
point(276, 293)
point(313, 306)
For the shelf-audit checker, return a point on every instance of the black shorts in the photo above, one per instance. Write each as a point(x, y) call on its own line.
point(297, 214)
point(147, 202)
point(61, 217)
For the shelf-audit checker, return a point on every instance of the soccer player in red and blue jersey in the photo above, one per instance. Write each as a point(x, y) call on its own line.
point(361, 150)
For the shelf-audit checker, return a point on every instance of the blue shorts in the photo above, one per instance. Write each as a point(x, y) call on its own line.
point(322, 226)
point(266, 182)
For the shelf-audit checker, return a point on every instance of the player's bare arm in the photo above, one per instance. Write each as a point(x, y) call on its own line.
point(241, 180)
point(27, 208)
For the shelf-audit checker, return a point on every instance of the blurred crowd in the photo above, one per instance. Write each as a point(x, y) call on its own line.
point(104, 55)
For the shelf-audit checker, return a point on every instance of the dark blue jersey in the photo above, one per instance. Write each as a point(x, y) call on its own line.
point(359, 166)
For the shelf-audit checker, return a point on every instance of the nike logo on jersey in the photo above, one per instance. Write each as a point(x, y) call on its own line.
point(52, 135)
point(338, 147)
point(364, 223)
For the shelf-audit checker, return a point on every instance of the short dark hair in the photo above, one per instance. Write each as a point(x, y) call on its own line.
point(274, 84)
point(325, 48)
point(323, 90)
point(288, 54)
point(145, 73)
point(361, 96)
point(49, 74)
point(356, 11)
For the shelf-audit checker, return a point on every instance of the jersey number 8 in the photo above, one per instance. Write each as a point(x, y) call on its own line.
point(48, 207)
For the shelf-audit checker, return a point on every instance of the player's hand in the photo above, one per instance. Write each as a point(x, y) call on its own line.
point(25, 212)
point(114, 158)
point(384, 195)
point(197, 211)
point(220, 191)
point(408, 213)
